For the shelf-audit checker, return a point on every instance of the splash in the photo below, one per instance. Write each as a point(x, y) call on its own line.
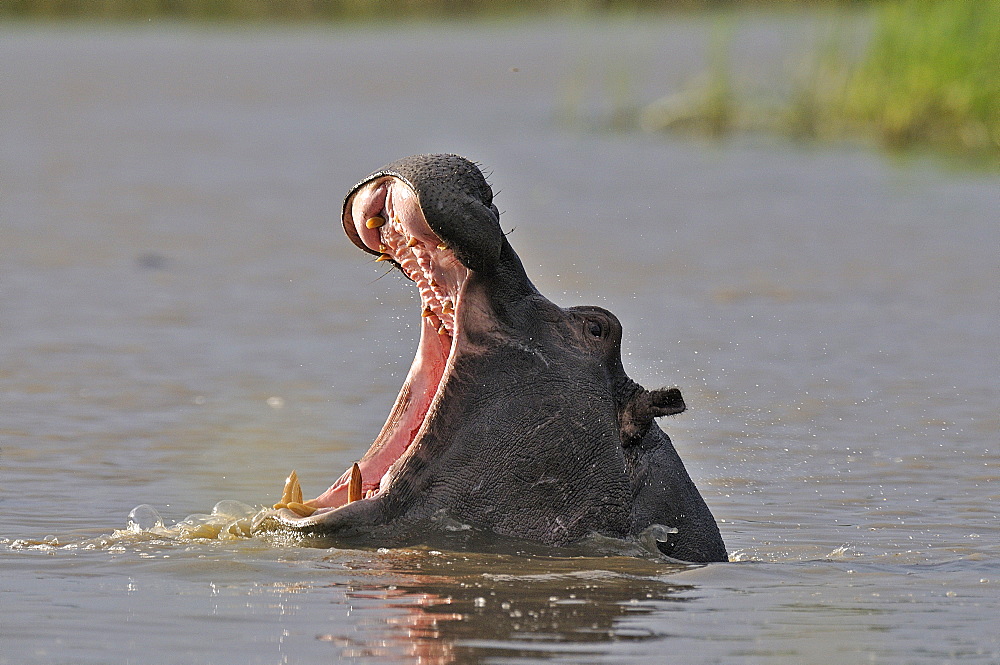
point(229, 520)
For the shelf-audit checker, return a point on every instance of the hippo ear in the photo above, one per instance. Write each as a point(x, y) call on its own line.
point(666, 402)
point(638, 412)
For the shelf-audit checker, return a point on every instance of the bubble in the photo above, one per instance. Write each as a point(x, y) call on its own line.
point(144, 518)
point(233, 509)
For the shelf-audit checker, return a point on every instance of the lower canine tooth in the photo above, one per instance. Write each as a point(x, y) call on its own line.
point(300, 509)
point(354, 486)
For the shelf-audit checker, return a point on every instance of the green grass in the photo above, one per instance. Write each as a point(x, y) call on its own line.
point(928, 78)
point(931, 77)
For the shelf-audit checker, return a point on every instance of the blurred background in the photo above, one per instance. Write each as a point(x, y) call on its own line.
point(903, 72)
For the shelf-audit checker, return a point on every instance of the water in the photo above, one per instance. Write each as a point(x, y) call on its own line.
point(183, 323)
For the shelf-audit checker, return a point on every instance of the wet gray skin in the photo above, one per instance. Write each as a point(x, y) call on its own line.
point(517, 419)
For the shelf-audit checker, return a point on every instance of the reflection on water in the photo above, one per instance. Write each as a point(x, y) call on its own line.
point(520, 608)
point(398, 606)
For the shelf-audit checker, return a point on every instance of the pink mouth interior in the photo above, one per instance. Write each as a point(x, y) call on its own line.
point(405, 238)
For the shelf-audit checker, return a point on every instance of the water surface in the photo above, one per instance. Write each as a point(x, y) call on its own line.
point(184, 322)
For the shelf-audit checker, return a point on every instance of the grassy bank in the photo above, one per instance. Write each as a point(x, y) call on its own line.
point(928, 78)
point(931, 76)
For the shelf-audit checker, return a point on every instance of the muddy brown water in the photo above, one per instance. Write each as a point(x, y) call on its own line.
point(182, 322)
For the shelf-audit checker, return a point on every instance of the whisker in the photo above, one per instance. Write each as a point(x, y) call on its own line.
point(381, 276)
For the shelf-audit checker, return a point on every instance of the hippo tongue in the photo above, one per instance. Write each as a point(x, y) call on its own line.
point(388, 220)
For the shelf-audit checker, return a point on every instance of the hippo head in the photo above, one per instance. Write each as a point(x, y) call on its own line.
point(516, 418)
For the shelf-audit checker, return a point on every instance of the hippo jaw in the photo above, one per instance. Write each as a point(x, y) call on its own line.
point(383, 216)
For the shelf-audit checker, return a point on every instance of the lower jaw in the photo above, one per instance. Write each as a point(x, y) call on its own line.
point(375, 470)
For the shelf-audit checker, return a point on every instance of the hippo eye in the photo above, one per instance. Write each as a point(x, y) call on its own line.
point(595, 329)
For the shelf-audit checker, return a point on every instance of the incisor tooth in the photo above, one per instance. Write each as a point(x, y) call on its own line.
point(300, 509)
point(384, 257)
point(292, 492)
point(354, 486)
point(375, 222)
point(290, 482)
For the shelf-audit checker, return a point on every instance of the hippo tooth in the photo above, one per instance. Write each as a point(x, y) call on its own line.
point(427, 312)
point(412, 242)
point(300, 509)
point(442, 329)
point(292, 491)
point(447, 307)
point(443, 246)
point(354, 486)
point(375, 222)
point(384, 257)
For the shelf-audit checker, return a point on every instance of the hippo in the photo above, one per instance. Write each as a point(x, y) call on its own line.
point(517, 419)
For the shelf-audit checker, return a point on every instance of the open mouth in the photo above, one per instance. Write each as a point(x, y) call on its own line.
point(384, 218)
